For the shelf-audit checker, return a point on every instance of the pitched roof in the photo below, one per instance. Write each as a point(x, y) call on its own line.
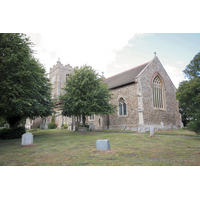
point(125, 77)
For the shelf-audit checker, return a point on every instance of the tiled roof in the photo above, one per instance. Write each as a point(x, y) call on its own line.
point(125, 77)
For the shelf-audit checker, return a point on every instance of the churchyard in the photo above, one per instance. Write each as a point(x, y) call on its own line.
point(68, 148)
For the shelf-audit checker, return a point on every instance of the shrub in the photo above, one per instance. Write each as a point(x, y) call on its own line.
point(8, 133)
point(64, 126)
point(86, 125)
point(52, 125)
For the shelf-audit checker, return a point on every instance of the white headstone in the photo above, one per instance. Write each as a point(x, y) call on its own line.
point(162, 125)
point(182, 125)
point(103, 145)
point(27, 139)
point(123, 127)
point(141, 130)
point(151, 130)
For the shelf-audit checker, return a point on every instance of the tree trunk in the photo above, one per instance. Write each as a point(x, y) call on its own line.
point(83, 120)
point(14, 121)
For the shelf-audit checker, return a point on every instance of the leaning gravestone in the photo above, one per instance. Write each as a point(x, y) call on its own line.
point(91, 127)
point(151, 130)
point(123, 127)
point(103, 145)
point(27, 139)
point(127, 129)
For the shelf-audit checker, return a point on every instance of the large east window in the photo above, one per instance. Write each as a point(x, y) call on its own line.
point(158, 93)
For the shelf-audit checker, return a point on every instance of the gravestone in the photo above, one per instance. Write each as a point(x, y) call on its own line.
point(151, 130)
point(182, 125)
point(27, 139)
point(171, 126)
point(69, 127)
point(103, 145)
point(127, 129)
point(162, 125)
point(123, 127)
point(141, 130)
point(91, 127)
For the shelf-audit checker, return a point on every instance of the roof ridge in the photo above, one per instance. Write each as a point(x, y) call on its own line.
point(126, 70)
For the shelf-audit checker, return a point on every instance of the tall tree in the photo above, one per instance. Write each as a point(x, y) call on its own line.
point(85, 94)
point(25, 90)
point(188, 95)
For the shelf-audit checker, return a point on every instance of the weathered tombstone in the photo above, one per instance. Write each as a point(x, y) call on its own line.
point(141, 130)
point(69, 127)
point(103, 145)
point(171, 126)
point(182, 125)
point(123, 127)
point(127, 129)
point(151, 130)
point(27, 139)
point(91, 127)
point(162, 125)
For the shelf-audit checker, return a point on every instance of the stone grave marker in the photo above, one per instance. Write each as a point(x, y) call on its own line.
point(127, 129)
point(123, 127)
point(182, 125)
point(141, 130)
point(151, 131)
point(91, 127)
point(103, 145)
point(27, 139)
point(162, 125)
point(171, 126)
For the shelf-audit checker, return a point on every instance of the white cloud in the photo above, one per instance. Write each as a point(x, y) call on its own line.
point(175, 74)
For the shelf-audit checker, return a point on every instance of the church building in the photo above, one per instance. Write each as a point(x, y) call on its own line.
point(144, 96)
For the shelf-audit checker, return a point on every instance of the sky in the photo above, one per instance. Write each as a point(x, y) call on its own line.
point(115, 55)
point(111, 36)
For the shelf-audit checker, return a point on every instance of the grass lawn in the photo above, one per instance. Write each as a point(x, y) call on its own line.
point(69, 148)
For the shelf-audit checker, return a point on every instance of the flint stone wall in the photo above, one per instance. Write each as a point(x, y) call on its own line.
point(170, 114)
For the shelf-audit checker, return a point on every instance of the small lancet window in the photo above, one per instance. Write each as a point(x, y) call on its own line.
point(122, 107)
point(158, 93)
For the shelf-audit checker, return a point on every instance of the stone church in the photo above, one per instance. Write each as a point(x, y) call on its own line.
point(144, 96)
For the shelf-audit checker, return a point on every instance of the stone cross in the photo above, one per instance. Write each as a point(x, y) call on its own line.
point(151, 130)
point(103, 145)
point(27, 139)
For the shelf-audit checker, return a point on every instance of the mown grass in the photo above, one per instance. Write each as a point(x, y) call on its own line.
point(68, 148)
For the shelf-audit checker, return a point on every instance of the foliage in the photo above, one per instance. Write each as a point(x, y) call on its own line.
point(25, 90)
point(52, 125)
point(64, 126)
point(2, 122)
point(8, 133)
point(85, 94)
point(188, 95)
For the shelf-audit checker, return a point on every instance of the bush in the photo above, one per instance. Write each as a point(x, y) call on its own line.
point(86, 125)
point(64, 126)
point(52, 125)
point(8, 133)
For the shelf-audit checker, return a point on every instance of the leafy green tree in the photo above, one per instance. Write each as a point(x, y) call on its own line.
point(188, 95)
point(25, 90)
point(85, 94)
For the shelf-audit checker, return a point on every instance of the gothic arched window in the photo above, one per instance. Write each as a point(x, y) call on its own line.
point(122, 107)
point(158, 93)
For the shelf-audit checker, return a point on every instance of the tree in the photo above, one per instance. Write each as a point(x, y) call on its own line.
point(25, 90)
point(188, 95)
point(85, 94)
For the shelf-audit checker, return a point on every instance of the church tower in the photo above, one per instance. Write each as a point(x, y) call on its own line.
point(58, 75)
